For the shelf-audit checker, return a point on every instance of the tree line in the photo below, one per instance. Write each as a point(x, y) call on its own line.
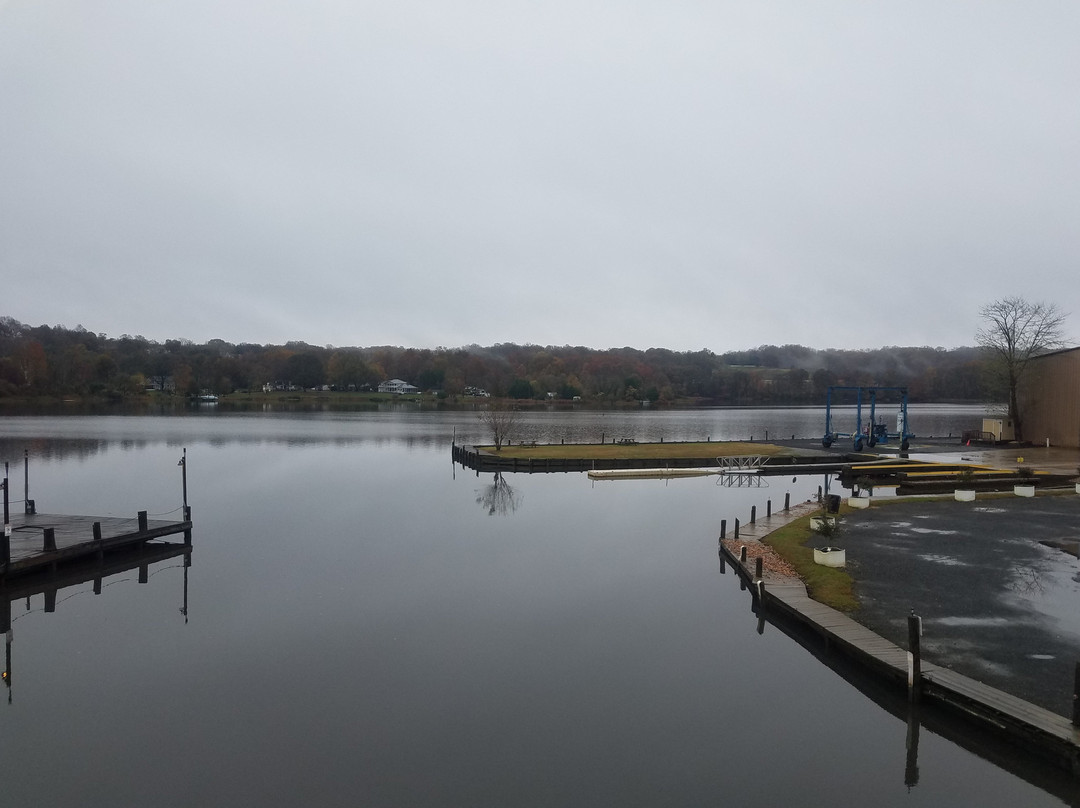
point(54, 360)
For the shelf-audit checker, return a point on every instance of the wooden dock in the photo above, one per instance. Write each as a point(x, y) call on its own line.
point(1041, 732)
point(44, 542)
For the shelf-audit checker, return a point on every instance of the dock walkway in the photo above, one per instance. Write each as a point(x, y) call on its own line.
point(40, 542)
point(1039, 731)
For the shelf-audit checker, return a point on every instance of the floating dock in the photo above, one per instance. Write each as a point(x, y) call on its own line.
point(44, 542)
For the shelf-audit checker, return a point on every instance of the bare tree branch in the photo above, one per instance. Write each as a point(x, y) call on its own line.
point(1014, 332)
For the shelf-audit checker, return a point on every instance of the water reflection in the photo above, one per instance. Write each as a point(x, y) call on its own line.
point(499, 497)
point(51, 587)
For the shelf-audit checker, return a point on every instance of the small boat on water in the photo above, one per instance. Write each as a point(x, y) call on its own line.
point(208, 398)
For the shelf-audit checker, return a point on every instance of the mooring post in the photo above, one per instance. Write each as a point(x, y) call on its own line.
point(183, 473)
point(759, 563)
point(753, 514)
point(768, 509)
point(142, 522)
point(742, 554)
point(50, 539)
point(787, 502)
point(736, 528)
point(723, 528)
point(914, 631)
point(97, 531)
point(1076, 696)
point(28, 504)
point(187, 518)
point(5, 542)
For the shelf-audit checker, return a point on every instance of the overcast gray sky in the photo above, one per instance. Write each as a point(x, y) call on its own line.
point(674, 174)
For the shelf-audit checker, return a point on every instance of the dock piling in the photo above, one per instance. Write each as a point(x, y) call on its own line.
point(143, 523)
point(753, 514)
point(914, 624)
point(1076, 696)
point(742, 554)
point(759, 564)
point(768, 509)
point(723, 528)
point(787, 502)
point(50, 539)
point(737, 531)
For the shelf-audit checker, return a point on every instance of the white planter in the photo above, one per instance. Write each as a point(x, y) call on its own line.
point(830, 556)
point(859, 502)
point(1024, 490)
point(1078, 488)
point(964, 495)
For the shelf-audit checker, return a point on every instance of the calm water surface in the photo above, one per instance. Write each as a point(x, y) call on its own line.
point(367, 625)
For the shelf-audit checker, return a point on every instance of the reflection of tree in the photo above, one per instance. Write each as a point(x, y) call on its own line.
point(499, 497)
point(1027, 581)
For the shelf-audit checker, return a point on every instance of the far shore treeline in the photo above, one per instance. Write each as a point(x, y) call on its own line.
point(55, 361)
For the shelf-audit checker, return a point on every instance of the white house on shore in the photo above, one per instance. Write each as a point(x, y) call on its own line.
point(398, 387)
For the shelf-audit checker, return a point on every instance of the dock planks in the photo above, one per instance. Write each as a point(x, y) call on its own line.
point(74, 538)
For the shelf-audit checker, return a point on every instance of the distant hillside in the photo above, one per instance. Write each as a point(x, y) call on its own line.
point(44, 360)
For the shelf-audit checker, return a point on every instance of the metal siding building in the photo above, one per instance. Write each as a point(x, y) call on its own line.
point(1051, 399)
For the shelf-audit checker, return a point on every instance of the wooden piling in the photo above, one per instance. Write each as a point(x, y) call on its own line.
point(1076, 696)
point(768, 509)
point(142, 522)
point(753, 514)
point(737, 530)
point(723, 528)
point(50, 539)
point(914, 625)
point(742, 554)
point(759, 564)
point(787, 502)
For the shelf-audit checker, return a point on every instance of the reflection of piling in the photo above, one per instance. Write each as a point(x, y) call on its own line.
point(911, 763)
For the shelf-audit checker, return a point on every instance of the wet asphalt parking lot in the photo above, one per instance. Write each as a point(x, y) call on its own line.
point(996, 581)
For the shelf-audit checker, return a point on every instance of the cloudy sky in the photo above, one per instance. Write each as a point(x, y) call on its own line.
point(679, 174)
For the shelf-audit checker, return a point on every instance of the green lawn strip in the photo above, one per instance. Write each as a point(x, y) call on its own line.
point(832, 586)
point(637, 451)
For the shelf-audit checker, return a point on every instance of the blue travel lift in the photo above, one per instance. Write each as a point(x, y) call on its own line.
point(874, 432)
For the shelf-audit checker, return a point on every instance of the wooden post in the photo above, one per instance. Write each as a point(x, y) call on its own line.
point(50, 539)
point(758, 565)
point(187, 518)
point(723, 528)
point(753, 514)
point(768, 509)
point(787, 502)
point(5, 540)
point(50, 600)
point(742, 554)
point(736, 528)
point(97, 531)
point(142, 522)
point(914, 626)
point(1076, 696)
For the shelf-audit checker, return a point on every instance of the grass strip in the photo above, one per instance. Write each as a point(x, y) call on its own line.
point(637, 451)
point(832, 586)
